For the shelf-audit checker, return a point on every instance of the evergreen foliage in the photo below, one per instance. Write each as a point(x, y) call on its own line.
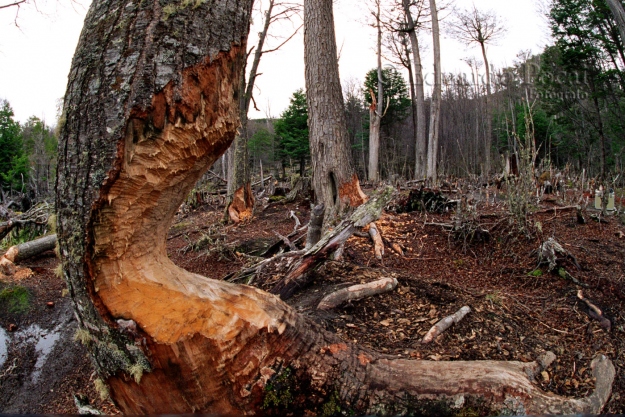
point(394, 89)
point(13, 160)
point(292, 130)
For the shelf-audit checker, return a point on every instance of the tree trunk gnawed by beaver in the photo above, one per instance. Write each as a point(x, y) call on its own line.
point(152, 102)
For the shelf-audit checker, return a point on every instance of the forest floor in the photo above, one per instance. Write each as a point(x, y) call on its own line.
point(518, 308)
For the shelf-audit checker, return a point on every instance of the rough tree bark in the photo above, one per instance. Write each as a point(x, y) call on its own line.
point(334, 178)
point(435, 110)
point(421, 140)
point(150, 104)
point(376, 108)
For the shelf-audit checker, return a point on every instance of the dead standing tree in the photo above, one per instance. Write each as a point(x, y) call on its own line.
point(240, 204)
point(411, 26)
point(148, 108)
point(435, 107)
point(376, 109)
point(475, 26)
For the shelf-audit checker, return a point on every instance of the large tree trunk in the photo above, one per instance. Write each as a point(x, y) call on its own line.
point(334, 179)
point(435, 110)
point(421, 140)
point(149, 106)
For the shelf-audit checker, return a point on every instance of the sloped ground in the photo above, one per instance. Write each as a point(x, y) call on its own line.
point(516, 315)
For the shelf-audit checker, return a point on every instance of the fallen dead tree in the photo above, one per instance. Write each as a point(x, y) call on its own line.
point(294, 267)
point(299, 273)
point(357, 292)
point(37, 215)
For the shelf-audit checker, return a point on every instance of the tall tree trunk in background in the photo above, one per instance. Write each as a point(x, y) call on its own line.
point(376, 109)
point(335, 181)
point(421, 141)
point(619, 15)
point(435, 110)
point(488, 136)
point(240, 203)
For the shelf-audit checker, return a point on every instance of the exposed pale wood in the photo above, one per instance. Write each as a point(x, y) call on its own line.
point(444, 324)
point(149, 107)
point(357, 292)
point(241, 207)
point(376, 237)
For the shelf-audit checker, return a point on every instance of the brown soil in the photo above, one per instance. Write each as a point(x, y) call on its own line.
point(516, 315)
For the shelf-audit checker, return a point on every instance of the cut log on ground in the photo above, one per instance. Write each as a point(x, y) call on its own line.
point(444, 324)
point(299, 273)
point(357, 292)
point(595, 312)
point(28, 249)
point(148, 108)
point(376, 237)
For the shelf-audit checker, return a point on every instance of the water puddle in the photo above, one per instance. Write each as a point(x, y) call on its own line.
point(44, 347)
point(44, 341)
point(4, 346)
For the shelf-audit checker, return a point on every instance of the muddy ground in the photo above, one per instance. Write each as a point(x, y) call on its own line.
point(519, 309)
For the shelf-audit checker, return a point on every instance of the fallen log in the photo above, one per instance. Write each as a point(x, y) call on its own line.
point(376, 237)
point(300, 271)
point(595, 312)
point(28, 249)
point(444, 324)
point(37, 215)
point(357, 292)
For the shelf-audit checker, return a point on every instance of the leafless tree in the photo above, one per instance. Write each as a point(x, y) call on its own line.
point(435, 108)
point(480, 27)
point(376, 110)
point(240, 202)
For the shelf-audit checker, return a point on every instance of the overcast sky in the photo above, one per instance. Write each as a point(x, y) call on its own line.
point(35, 57)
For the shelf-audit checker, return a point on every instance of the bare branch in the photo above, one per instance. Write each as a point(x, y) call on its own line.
point(283, 43)
point(17, 3)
